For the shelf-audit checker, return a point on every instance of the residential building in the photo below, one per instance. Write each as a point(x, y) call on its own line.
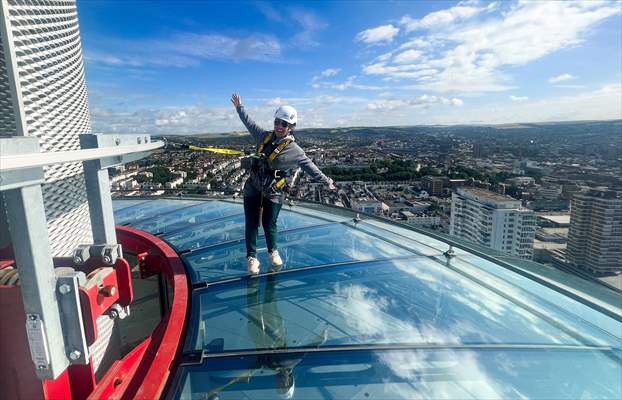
point(595, 236)
point(435, 184)
point(493, 220)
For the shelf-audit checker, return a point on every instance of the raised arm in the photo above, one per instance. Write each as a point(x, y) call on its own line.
point(314, 172)
point(255, 130)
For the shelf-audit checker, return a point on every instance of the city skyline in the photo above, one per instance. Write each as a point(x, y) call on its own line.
point(350, 63)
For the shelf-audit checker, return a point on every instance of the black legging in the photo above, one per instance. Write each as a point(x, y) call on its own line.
point(252, 205)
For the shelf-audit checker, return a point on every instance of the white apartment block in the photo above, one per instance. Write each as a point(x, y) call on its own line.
point(493, 220)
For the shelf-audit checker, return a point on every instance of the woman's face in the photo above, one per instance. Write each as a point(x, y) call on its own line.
point(281, 128)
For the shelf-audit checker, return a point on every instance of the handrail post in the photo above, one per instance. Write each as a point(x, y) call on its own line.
point(33, 256)
point(98, 182)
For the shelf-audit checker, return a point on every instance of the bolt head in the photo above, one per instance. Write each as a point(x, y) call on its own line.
point(74, 355)
point(64, 288)
point(114, 314)
point(108, 291)
point(42, 366)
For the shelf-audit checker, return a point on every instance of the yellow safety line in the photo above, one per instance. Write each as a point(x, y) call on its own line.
point(216, 150)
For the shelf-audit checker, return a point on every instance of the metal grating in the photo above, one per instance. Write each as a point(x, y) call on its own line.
point(7, 114)
point(48, 54)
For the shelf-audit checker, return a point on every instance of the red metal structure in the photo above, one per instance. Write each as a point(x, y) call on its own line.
point(141, 373)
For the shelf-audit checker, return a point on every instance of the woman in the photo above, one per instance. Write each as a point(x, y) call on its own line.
point(278, 156)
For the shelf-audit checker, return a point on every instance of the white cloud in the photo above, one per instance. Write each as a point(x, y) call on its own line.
point(440, 18)
point(277, 101)
point(310, 24)
point(561, 78)
point(338, 110)
point(420, 101)
point(305, 19)
point(384, 33)
point(416, 43)
point(184, 50)
point(519, 98)
point(348, 84)
point(407, 57)
point(469, 53)
point(330, 72)
point(600, 104)
point(268, 11)
point(327, 73)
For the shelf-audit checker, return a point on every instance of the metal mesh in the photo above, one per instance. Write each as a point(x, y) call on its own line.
point(7, 114)
point(48, 53)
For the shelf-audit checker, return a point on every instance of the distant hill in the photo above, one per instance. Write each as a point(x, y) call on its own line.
point(591, 132)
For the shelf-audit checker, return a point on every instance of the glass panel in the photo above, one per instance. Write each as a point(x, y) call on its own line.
point(230, 229)
point(415, 300)
point(415, 246)
point(533, 292)
point(150, 209)
point(408, 374)
point(122, 203)
point(312, 246)
point(189, 216)
point(438, 245)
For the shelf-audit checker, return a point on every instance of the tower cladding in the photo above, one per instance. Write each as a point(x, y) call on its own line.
point(43, 94)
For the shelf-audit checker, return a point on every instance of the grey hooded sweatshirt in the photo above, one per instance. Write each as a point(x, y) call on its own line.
point(289, 159)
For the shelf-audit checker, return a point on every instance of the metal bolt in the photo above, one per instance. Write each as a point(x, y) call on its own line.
point(42, 366)
point(32, 317)
point(114, 314)
point(75, 354)
point(117, 141)
point(107, 260)
point(108, 291)
point(77, 260)
point(64, 288)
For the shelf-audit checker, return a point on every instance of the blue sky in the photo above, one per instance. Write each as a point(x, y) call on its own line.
point(170, 67)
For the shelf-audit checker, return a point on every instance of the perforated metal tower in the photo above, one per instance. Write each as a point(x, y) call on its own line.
point(43, 94)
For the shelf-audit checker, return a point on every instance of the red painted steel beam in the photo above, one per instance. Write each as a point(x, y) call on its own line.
point(144, 372)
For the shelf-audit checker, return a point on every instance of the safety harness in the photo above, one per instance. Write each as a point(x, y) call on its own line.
point(278, 175)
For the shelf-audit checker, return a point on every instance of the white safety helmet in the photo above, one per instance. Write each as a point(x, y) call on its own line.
point(287, 114)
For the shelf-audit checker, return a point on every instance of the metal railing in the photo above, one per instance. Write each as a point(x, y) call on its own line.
point(53, 316)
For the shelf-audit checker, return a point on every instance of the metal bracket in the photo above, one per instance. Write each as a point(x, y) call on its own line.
point(109, 253)
point(118, 311)
point(76, 347)
point(81, 254)
point(37, 339)
point(450, 253)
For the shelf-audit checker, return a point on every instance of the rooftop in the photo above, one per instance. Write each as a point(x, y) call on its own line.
point(488, 195)
point(373, 309)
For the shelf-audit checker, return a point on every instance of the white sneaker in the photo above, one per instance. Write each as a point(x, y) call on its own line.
point(252, 265)
point(275, 259)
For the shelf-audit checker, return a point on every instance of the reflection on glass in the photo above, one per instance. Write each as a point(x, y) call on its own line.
point(409, 301)
point(119, 204)
point(312, 246)
point(265, 326)
point(188, 216)
point(231, 228)
point(418, 374)
point(150, 209)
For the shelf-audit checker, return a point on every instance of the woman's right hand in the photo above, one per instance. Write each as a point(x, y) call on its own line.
point(235, 99)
